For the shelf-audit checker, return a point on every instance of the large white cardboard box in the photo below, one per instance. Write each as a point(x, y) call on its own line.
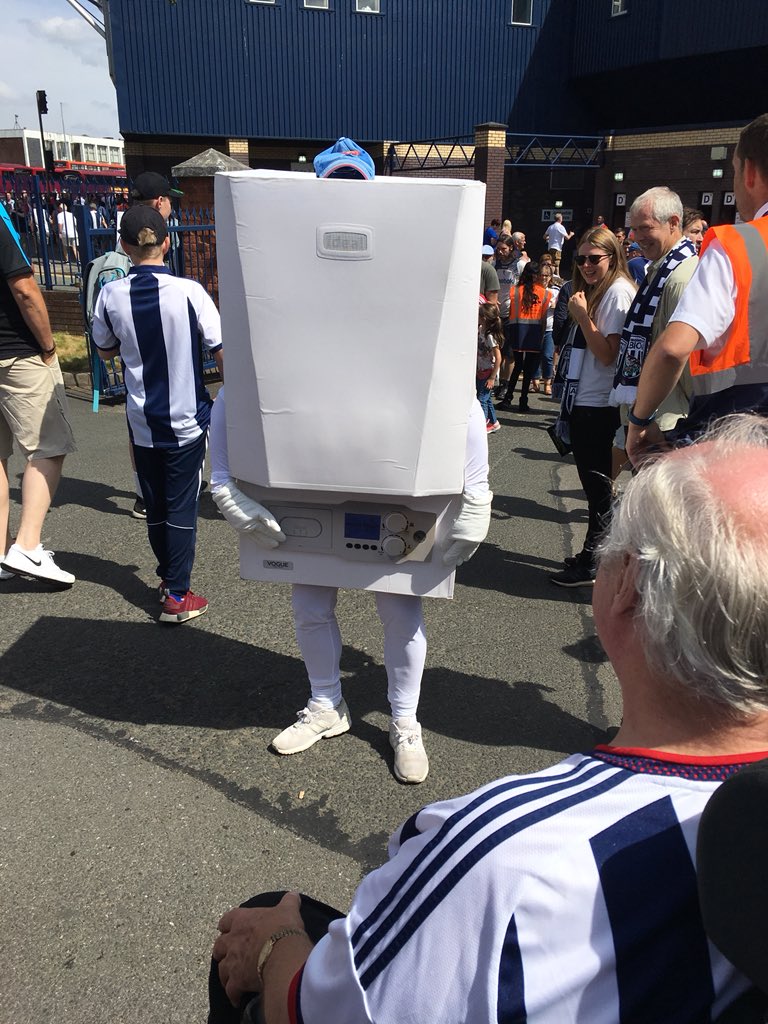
point(349, 318)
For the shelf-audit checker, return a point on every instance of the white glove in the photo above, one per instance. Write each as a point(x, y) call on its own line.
point(247, 515)
point(469, 528)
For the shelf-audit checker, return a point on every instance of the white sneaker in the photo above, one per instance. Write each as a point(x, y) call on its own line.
point(411, 761)
point(37, 564)
point(311, 727)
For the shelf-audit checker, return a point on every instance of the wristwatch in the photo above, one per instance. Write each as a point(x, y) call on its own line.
point(269, 945)
point(638, 421)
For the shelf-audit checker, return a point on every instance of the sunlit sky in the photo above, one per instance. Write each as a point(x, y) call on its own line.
point(46, 45)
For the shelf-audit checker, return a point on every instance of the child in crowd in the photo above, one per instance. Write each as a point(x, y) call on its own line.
point(490, 338)
point(155, 322)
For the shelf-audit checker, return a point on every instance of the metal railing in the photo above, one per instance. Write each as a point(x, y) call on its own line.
point(526, 150)
point(449, 153)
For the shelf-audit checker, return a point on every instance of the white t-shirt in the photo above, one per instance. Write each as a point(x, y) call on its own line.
point(708, 304)
point(66, 224)
point(596, 380)
point(556, 235)
point(553, 293)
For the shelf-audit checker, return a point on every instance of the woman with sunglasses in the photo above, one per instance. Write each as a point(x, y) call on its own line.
point(602, 294)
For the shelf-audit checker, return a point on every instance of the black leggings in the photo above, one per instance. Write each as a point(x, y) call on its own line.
point(316, 917)
point(527, 363)
point(592, 432)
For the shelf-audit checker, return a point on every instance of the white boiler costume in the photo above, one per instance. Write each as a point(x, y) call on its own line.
point(384, 488)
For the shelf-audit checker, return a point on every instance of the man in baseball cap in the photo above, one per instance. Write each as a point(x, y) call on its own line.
point(143, 226)
point(151, 185)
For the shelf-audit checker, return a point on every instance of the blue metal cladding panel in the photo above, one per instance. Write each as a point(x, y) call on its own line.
point(694, 27)
point(653, 30)
point(420, 69)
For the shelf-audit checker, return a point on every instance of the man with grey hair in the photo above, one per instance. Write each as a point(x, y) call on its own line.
point(656, 218)
point(720, 328)
point(567, 894)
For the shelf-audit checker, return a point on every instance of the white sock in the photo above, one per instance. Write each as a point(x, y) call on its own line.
point(322, 703)
point(30, 551)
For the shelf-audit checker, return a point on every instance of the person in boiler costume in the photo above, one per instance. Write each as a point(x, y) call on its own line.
point(326, 714)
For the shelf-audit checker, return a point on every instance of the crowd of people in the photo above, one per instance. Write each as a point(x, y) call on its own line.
point(55, 219)
point(583, 341)
point(568, 894)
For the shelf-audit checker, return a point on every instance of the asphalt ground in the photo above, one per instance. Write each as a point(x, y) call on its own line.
point(138, 797)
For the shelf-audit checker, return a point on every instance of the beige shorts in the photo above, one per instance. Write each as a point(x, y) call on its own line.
point(33, 409)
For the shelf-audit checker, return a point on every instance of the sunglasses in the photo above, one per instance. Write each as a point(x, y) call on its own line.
point(594, 260)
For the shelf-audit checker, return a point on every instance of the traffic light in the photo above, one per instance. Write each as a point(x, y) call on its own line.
point(42, 102)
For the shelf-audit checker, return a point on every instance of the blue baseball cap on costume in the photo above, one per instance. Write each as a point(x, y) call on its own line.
point(344, 159)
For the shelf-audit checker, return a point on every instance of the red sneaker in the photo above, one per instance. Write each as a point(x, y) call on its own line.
point(189, 607)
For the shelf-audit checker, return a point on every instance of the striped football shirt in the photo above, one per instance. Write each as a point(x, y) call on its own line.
point(563, 897)
point(158, 322)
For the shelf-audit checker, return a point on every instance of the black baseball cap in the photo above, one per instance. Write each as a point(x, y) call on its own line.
point(143, 225)
point(151, 185)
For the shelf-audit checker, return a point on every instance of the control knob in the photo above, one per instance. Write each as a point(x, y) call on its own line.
point(393, 546)
point(395, 522)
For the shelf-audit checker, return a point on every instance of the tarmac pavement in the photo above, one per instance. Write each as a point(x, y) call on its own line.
point(138, 797)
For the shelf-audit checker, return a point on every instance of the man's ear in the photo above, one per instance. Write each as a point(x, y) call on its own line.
point(750, 173)
point(166, 244)
point(625, 597)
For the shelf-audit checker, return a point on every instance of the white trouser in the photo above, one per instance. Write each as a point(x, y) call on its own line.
point(319, 639)
point(317, 631)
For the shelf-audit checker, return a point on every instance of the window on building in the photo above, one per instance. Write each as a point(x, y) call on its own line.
point(260, 2)
point(522, 12)
point(114, 155)
point(103, 155)
point(368, 6)
point(719, 152)
point(89, 152)
point(318, 5)
point(618, 7)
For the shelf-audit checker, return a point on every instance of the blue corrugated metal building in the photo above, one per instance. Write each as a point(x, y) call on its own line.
point(272, 81)
point(419, 69)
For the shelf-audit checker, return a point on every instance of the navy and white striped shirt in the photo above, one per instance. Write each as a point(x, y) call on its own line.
point(158, 321)
point(563, 897)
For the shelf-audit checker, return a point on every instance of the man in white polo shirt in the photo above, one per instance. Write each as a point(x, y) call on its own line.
point(555, 236)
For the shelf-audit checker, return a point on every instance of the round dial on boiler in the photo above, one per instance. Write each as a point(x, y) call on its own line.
point(393, 546)
point(395, 522)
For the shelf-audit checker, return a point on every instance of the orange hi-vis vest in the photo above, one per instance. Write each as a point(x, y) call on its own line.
point(527, 326)
point(736, 378)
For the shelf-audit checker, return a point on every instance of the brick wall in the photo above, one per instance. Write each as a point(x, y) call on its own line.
point(64, 310)
point(199, 246)
point(682, 161)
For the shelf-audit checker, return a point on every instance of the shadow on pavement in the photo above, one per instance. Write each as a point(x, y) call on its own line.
point(508, 572)
point(135, 673)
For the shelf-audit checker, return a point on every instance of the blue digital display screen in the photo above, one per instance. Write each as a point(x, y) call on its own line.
point(361, 527)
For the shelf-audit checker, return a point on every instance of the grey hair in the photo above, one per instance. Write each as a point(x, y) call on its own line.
point(517, 236)
point(701, 569)
point(661, 202)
